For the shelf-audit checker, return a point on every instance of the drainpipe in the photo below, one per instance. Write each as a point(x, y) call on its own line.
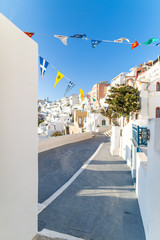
point(148, 99)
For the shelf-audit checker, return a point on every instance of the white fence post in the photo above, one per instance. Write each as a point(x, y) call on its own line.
point(115, 141)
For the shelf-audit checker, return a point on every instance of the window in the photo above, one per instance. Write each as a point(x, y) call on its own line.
point(158, 112)
point(136, 116)
point(158, 86)
point(80, 121)
point(103, 122)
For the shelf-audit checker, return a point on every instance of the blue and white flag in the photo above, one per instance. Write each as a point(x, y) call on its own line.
point(69, 87)
point(79, 36)
point(43, 66)
point(158, 44)
point(94, 43)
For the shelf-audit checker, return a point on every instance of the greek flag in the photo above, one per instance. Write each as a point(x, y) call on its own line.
point(79, 36)
point(43, 66)
point(69, 87)
point(94, 43)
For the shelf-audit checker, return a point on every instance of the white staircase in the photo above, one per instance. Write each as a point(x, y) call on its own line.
point(108, 133)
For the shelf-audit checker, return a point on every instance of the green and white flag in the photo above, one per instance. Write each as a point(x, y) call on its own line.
point(151, 40)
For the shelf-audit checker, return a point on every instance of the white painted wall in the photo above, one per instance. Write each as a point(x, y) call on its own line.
point(144, 99)
point(147, 186)
point(141, 186)
point(95, 119)
point(149, 101)
point(150, 98)
point(115, 141)
point(154, 102)
point(133, 159)
point(117, 80)
point(59, 126)
point(153, 193)
point(74, 99)
point(18, 133)
point(126, 143)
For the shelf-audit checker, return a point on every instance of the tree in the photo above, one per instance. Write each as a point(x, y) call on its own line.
point(40, 121)
point(67, 129)
point(122, 100)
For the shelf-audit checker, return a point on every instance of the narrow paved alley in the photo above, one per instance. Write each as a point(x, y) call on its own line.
point(100, 204)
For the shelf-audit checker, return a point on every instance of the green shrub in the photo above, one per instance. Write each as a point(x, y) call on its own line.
point(40, 121)
point(56, 134)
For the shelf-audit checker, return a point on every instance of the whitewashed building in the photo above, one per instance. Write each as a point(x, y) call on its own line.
point(74, 99)
point(65, 101)
point(148, 84)
point(96, 122)
point(118, 80)
point(143, 158)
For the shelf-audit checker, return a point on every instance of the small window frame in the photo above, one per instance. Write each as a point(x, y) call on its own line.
point(157, 86)
point(157, 112)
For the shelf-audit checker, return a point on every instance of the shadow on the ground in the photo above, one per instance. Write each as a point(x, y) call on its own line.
point(100, 204)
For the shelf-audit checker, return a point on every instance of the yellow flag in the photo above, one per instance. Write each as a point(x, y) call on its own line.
point(82, 94)
point(58, 78)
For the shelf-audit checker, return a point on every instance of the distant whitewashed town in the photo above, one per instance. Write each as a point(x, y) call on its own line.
point(69, 115)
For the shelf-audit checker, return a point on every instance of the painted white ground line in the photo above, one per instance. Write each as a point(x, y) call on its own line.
point(53, 234)
point(67, 184)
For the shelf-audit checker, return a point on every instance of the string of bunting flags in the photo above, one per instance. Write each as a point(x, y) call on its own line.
point(95, 42)
point(43, 66)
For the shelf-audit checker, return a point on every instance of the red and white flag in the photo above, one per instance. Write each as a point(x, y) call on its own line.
point(29, 34)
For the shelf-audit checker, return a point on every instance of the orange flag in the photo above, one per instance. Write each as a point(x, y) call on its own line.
point(135, 44)
point(29, 34)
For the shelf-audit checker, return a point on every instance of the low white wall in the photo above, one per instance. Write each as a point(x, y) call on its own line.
point(141, 185)
point(147, 183)
point(126, 143)
point(54, 142)
point(18, 133)
point(133, 159)
point(104, 128)
point(153, 177)
point(115, 141)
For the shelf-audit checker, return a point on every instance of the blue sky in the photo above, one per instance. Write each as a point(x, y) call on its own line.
point(98, 19)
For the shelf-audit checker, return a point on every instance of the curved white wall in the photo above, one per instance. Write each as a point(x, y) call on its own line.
point(147, 182)
point(18, 133)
